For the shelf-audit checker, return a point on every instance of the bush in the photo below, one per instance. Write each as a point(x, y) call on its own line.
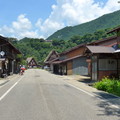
point(109, 85)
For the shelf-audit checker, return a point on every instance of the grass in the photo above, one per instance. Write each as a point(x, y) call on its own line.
point(109, 85)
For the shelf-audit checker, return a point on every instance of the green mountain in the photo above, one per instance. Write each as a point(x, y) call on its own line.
point(106, 21)
point(40, 48)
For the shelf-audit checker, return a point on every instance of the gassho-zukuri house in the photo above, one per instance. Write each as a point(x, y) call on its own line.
point(9, 63)
point(96, 59)
point(49, 59)
point(31, 62)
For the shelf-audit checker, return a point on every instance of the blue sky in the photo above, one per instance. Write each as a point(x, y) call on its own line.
point(41, 18)
point(34, 9)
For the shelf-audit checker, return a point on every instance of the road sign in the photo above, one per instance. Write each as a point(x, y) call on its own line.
point(2, 53)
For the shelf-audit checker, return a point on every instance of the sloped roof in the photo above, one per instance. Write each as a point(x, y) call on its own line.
point(68, 59)
point(56, 59)
point(115, 30)
point(100, 49)
point(103, 40)
point(73, 48)
point(29, 59)
point(8, 43)
point(91, 43)
point(50, 54)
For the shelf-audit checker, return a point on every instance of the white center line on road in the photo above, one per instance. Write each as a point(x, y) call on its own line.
point(10, 89)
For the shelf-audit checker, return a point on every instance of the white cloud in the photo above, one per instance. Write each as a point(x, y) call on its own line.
point(49, 26)
point(22, 23)
point(73, 12)
point(64, 13)
point(20, 28)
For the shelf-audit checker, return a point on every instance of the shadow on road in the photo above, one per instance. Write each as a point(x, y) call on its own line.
point(108, 110)
point(87, 81)
point(103, 95)
point(110, 104)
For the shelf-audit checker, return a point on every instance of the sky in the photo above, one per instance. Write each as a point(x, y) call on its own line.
point(41, 18)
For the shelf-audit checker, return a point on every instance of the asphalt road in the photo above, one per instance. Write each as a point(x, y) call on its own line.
point(39, 95)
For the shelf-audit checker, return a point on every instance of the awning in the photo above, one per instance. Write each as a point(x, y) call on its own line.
point(66, 60)
point(100, 49)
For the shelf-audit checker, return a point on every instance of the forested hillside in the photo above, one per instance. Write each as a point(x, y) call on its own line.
point(40, 48)
point(106, 21)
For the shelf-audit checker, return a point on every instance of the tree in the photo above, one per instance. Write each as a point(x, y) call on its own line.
point(75, 39)
point(13, 40)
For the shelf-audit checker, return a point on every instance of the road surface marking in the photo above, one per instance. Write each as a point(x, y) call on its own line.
point(115, 106)
point(110, 104)
point(81, 90)
point(10, 89)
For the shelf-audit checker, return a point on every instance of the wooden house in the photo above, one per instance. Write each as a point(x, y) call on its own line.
point(8, 57)
point(105, 59)
point(31, 62)
point(48, 61)
point(71, 62)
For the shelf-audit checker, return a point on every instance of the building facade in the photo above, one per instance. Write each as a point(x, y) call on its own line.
point(105, 57)
point(104, 61)
point(71, 62)
point(9, 63)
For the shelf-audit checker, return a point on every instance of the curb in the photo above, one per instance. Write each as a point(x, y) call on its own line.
point(4, 82)
point(7, 79)
point(89, 85)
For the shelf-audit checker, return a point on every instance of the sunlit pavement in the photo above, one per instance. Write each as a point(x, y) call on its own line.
point(40, 95)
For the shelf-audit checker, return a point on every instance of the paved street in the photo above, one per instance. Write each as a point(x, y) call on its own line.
point(39, 95)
